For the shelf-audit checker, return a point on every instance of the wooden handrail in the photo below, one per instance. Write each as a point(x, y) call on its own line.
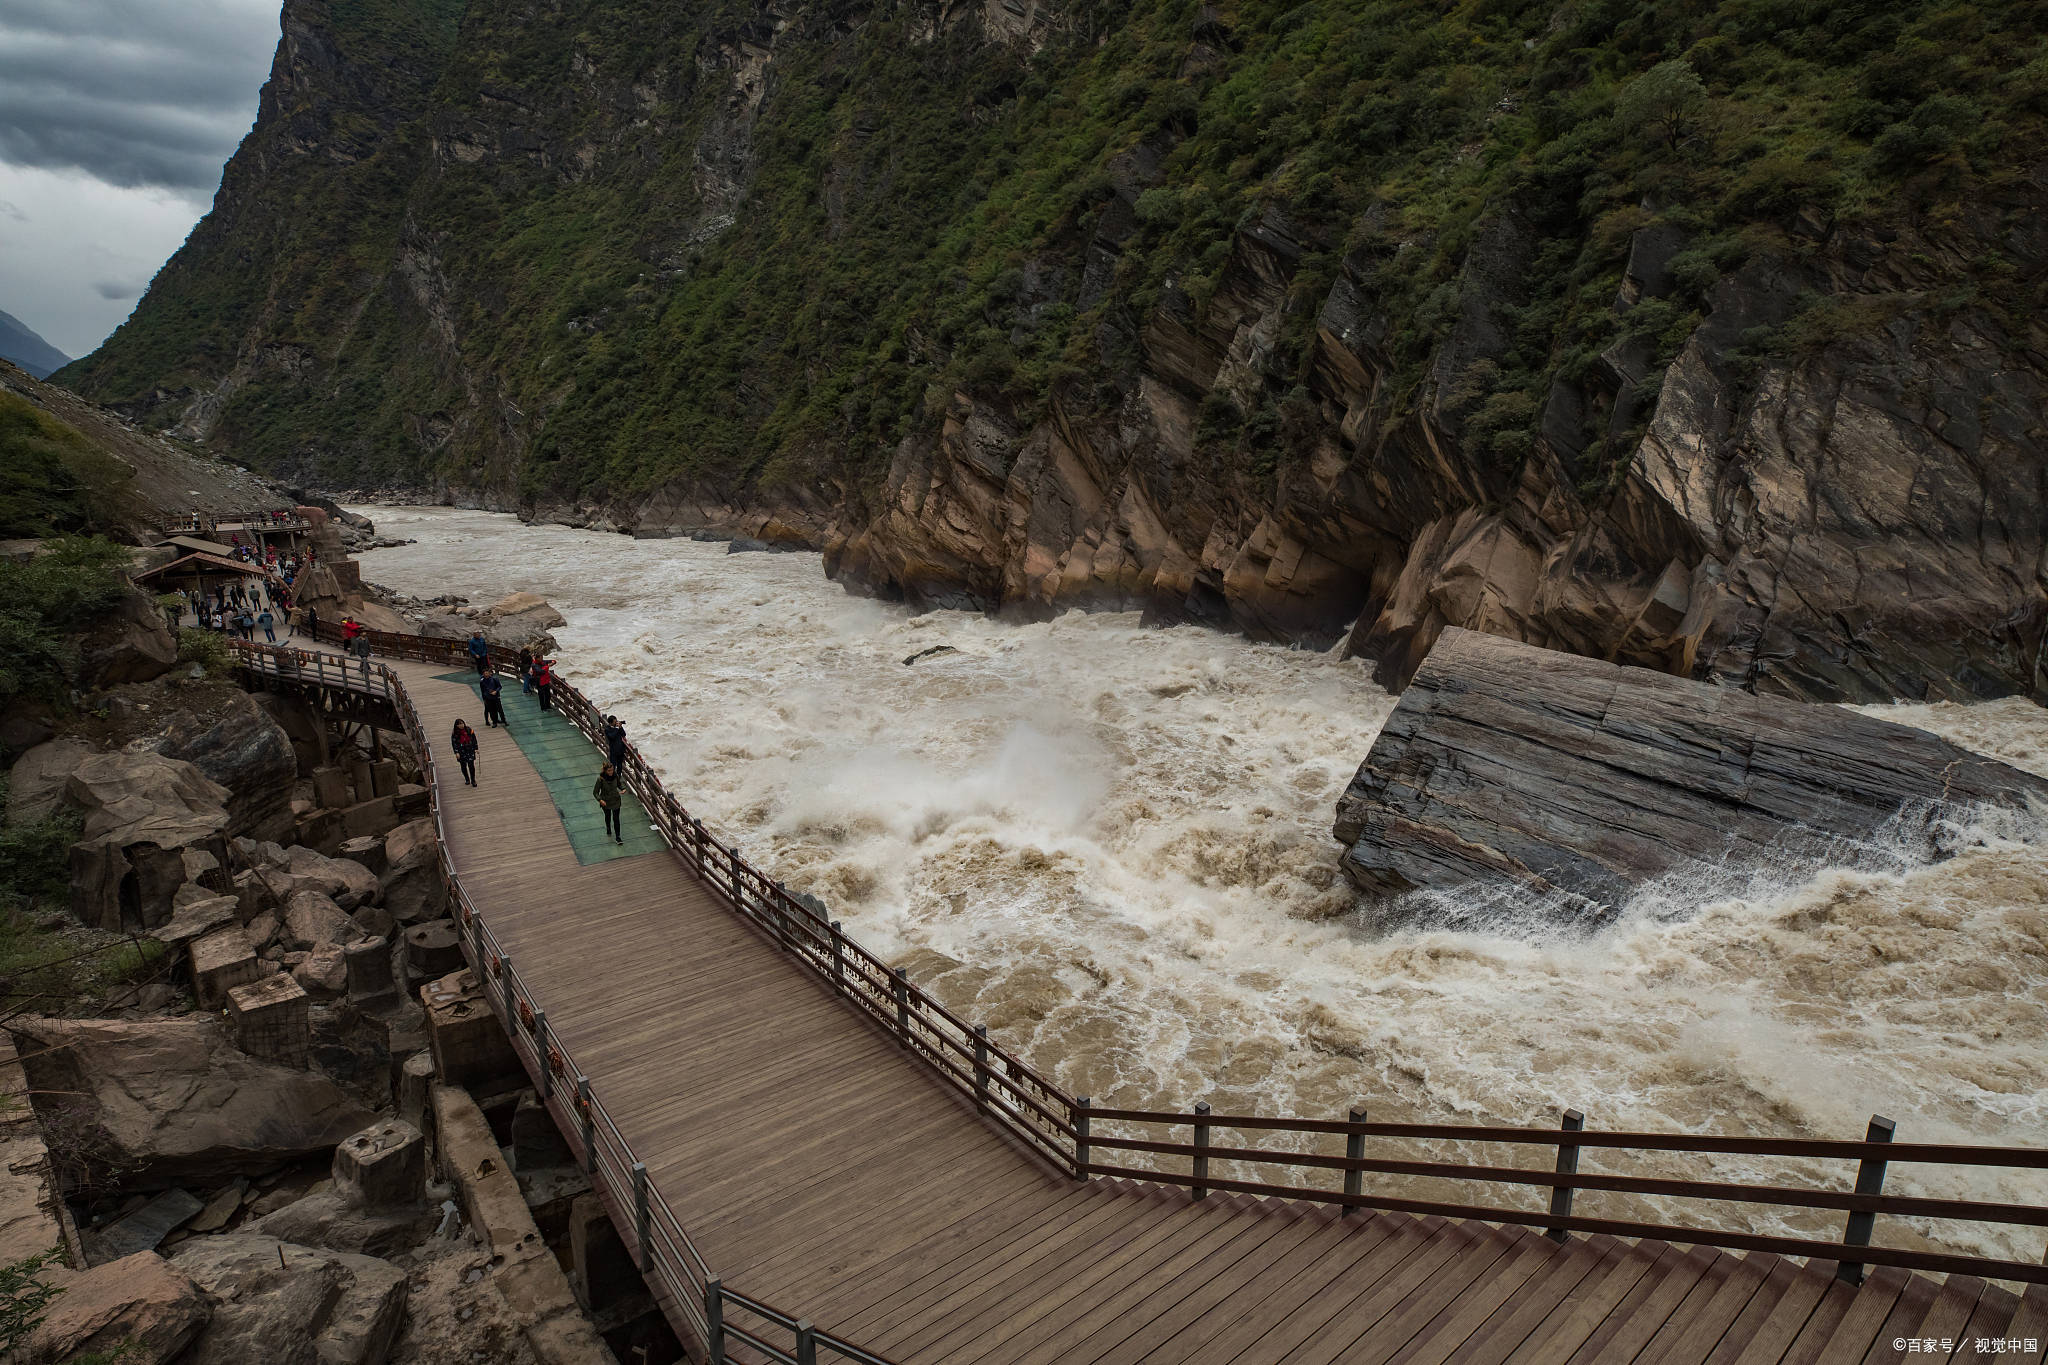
point(1030, 1106)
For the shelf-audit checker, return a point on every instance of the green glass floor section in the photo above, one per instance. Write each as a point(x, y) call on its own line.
point(568, 763)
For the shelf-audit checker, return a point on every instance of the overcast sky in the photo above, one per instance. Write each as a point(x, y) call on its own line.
point(115, 119)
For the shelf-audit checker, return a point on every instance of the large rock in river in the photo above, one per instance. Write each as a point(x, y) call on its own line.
point(1510, 766)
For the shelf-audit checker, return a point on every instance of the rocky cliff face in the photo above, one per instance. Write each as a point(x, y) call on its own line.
point(1317, 325)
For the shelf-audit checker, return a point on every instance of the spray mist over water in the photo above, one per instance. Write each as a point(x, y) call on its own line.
point(1112, 845)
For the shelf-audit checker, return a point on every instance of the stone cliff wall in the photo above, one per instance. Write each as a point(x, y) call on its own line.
point(644, 267)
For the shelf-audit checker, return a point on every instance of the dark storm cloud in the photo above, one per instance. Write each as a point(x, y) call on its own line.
point(133, 92)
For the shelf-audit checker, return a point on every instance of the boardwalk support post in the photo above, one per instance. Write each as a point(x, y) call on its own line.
point(1080, 1137)
point(540, 1052)
point(838, 958)
point(1869, 1180)
point(900, 984)
point(589, 1116)
point(981, 1067)
point(806, 1343)
point(511, 1000)
point(640, 1221)
point(1354, 1150)
point(714, 1321)
point(1567, 1164)
point(1201, 1188)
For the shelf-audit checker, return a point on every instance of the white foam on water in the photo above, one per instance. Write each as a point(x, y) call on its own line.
point(1112, 844)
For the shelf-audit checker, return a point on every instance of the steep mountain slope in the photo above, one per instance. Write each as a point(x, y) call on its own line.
point(1702, 334)
point(69, 466)
point(20, 344)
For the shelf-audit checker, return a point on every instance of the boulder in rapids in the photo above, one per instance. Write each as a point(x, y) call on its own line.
point(1510, 766)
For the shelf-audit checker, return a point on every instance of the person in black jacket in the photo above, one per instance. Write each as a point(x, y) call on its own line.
point(607, 793)
point(615, 742)
point(494, 700)
point(462, 740)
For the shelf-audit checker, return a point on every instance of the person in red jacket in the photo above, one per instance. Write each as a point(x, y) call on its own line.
point(543, 681)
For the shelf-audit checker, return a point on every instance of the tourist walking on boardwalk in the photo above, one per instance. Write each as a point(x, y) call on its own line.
point(526, 671)
point(462, 740)
point(350, 629)
point(607, 793)
point(479, 651)
point(312, 623)
point(269, 624)
point(615, 742)
point(494, 700)
point(543, 681)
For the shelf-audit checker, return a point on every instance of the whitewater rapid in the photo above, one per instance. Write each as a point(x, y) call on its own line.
point(1111, 844)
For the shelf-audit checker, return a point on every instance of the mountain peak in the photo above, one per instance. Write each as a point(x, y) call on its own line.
point(20, 344)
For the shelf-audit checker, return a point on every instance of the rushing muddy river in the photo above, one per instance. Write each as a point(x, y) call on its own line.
point(1112, 844)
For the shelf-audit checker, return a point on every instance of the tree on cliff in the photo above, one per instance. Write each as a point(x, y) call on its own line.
point(1667, 99)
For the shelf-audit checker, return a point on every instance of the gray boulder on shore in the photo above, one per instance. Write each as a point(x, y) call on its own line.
point(1506, 766)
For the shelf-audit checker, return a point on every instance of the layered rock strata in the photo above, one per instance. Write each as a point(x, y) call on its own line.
point(1571, 783)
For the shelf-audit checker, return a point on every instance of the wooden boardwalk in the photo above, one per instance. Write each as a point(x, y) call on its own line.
point(836, 1177)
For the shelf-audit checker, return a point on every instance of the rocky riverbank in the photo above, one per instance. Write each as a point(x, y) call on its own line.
point(272, 1117)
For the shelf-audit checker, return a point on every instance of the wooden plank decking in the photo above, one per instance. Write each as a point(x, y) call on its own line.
point(821, 1169)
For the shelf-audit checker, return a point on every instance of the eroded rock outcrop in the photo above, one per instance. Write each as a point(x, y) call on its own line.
point(1510, 767)
point(238, 743)
point(130, 643)
point(279, 1304)
point(141, 1303)
point(150, 823)
point(176, 1102)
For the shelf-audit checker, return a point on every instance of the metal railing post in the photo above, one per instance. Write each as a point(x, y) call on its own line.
point(838, 957)
point(1080, 1137)
point(714, 1320)
point(900, 985)
point(641, 1250)
point(806, 1343)
point(1354, 1150)
point(511, 1000)
point(540, 1048)
point(739, 895)
point(981, 1067)
point(1567, 1164)
point(1200, 1187)
point(586, 1111)
point(1869, 1180)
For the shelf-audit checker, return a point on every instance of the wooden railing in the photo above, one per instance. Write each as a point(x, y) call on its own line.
point(667, 1258)
point(1065, 1130)
point(391, 644)
point(317, 667)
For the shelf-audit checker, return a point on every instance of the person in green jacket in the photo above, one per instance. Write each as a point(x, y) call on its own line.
point(607, 793)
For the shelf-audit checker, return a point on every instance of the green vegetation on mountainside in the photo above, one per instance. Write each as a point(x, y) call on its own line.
point(52, 479)
point(291, 240)
point(917, 212)
point(45, 601)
